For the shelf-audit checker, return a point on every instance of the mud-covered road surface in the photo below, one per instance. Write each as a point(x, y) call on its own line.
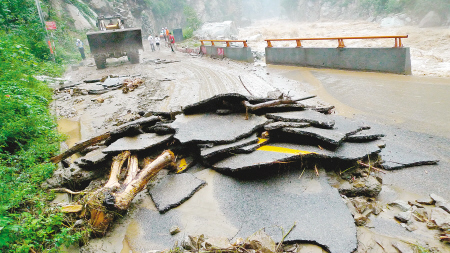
point(173, 80)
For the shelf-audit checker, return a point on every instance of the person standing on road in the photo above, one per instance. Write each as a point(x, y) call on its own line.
point(163, 33)
point(167, 34)
point(157, 41)
point(172, 42)
point(80, 48)
point(152, 42)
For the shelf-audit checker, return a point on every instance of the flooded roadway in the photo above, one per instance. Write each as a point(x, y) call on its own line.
point(416, 103)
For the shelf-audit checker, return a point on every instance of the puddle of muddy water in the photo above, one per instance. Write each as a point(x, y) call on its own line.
point(71, 128)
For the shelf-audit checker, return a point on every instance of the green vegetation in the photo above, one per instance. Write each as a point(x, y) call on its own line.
point(192, 22)
point(28, 136)
point(163, 8)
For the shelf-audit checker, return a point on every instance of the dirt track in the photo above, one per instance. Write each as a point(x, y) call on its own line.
point(184, 80)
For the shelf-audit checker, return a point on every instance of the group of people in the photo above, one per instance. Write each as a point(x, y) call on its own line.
point(165, 35)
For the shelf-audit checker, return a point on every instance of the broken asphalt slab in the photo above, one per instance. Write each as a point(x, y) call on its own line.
point(173, 190)
point(137, 143)
point(229, 207)
point(213, 128)
point(231, 101)
point(307, 116)
point(207, 153)
point(283, 152)
point(398, 156)
point(342, 128)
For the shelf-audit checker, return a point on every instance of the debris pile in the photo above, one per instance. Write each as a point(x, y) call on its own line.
point(246, 138)
point(99, 86)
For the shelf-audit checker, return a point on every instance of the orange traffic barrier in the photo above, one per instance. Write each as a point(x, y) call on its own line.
point(227, 41)
point(398, 40)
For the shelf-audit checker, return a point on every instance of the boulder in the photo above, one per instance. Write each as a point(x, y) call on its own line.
point(432, 19)
point(392, 22)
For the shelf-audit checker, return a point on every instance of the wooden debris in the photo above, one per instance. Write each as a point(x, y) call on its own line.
point(72, 208)
point(284, 100)
point(66, 191)
point(131, 84)
point(80, 147)
point(371, 167)
point(103, 204)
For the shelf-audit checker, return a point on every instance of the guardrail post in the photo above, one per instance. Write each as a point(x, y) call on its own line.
point(341, 43)
point(299, 43)
point(228, 43)
point(269, 44)
point(202, 42)
point(245, 43)
point(212, 43)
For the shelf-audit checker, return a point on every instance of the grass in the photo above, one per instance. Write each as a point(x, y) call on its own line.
point(28, 138)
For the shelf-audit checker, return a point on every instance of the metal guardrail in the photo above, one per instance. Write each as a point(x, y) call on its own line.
point(227, 41)
point(398, 40)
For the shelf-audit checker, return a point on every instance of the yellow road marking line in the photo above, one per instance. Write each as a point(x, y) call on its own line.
point(284, 150)
point(183, 165)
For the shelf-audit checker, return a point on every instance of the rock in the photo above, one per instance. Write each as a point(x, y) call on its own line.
point(174, 230)
point(392, 22)
point(401, 204)
point(403, 216)
point(223, 30)
point(72, 176)
point(192, 243)
point(78, 223)
point(61, 199)
point(432, 19)
point(369, 187)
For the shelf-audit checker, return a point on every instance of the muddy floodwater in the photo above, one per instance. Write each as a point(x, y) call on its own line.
point(415, 103)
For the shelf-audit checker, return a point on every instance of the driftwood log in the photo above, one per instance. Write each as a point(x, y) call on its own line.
point(79, 147)
point(102, 205)
point(287, 100)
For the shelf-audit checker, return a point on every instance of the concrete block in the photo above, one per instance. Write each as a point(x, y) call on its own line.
point(390, 60)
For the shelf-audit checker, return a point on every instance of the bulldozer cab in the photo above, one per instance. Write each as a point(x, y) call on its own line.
point(110, 22)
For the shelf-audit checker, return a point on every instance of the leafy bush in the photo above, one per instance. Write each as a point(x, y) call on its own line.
point(188, 33)
point(28, 138)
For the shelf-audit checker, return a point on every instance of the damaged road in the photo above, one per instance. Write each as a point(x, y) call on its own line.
point(234, 176)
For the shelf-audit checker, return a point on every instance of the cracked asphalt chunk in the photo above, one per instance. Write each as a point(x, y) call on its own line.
point(173, 190)
point(207, 153)
point(282, 152)
point(213, 128)
point(342, 128)
point(308, 116)
point(222, 101)
point(138, 142)
point(397, 156)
